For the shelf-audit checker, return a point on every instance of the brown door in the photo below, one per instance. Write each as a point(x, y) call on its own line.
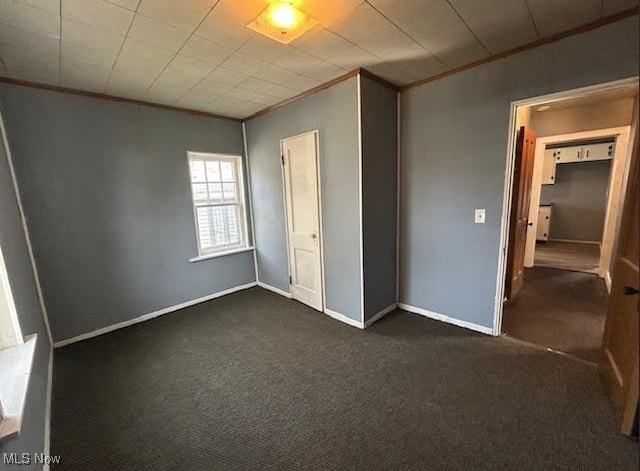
point(522, 172)
point(620, 340)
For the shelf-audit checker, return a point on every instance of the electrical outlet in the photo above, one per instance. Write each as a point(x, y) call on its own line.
point(480, 216)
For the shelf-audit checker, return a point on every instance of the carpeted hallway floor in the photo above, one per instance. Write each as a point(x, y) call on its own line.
point(559, 309)
point(253, 381)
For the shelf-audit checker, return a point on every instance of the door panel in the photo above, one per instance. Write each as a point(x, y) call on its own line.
point(522, 174)
point(620, 340)
point(303, 222)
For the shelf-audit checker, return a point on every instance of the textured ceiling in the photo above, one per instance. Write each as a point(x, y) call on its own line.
point(198, 54)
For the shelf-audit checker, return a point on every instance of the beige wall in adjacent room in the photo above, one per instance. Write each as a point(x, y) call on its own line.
point(583, 118)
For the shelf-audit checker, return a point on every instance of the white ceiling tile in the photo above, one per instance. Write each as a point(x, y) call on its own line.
point(299, 83)
point(264, 48)
point(227, 77)
point(353, 58)
point(21, 41)
point(178, 78)
point(156, 33)
point(52, 6)
point(324, 71)
point(240, 11)
point(39, 67)
point(88, 78)
point(75, 55)
point(241, 94)
point(90, 36)
point(254, 84)
point(322, 43)
point(499, 24)
point(98, 13)
point(128, 4)
point(165, 94)
point(275, 74)
point(327, 12)
point(437, 27)
point(212, 88)
point(609, 7)
point(205, 50)
point(266, 100)
point(196, 100)
point(223, 31)
point(23, 16)
point(226, 102)
point(191, 66)
point(282, 92)
point(184, 14)
point(415, 61)
point(244, 64)
point(297, 61)
point(145, 53)
point(552, 16)
point(390, 73)
point(371, 31)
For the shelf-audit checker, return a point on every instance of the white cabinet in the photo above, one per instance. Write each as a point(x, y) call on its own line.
point(549, 168)
point(544, 222)
point(566, 155)
point(598, 151)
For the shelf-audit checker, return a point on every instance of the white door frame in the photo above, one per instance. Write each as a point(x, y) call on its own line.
point(508, 178)
point(286, 216)
point(614, 190)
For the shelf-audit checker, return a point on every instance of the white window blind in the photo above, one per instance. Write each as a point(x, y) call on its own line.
point(217, 188)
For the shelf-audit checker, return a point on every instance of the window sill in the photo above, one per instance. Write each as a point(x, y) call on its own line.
point(220, 254)
point(15, 369)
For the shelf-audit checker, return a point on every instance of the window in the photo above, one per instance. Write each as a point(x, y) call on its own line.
point(217, 188)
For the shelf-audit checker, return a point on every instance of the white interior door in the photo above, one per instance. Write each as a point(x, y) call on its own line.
point(303, 223)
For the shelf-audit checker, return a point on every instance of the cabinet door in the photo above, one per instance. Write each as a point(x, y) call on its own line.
point(568, 154)
point(549, 168)
point(544, 221)
point(598, 151)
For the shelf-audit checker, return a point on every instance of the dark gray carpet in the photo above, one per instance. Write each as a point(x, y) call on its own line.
point(253, 381)
point(561, 310)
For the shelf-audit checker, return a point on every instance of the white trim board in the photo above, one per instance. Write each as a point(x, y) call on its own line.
point(360, 202)
point(47, 414)
point(342, 318)
point(447, 319)
point(381, 314)
point(279, 291)
point(151, 315)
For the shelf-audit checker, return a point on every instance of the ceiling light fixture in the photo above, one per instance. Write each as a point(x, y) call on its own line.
point(282, 21)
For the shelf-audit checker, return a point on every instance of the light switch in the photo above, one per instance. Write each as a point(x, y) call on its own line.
point(480, 213)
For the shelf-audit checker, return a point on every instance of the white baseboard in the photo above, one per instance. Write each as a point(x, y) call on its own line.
point(381, 314)
point(47, 414)
point(449, 320)
point(343, 318)
point(151, 315)
point(274, 289)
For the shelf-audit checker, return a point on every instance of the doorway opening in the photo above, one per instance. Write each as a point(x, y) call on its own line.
point(301, 183)
point(570, 230)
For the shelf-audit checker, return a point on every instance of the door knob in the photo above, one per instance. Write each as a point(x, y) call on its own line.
point(630, 290)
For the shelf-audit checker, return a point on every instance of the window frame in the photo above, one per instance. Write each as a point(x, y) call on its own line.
point(241, 204)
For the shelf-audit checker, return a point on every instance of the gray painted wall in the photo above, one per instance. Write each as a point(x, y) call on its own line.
point(579, 198)
point(23, 288)
point(107, 197)
point(334, 113)
point(454, 142)
point(379, 194)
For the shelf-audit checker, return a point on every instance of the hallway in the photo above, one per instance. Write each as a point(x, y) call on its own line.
point(561, 310)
